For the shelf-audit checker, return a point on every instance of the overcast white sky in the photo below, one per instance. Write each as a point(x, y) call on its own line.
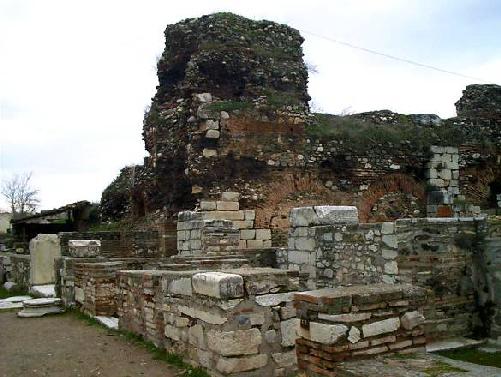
point(75, 76)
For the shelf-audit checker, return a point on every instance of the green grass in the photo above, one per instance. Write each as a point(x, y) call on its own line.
point(474, 356)
point(157, 353)
point(441, 368)
point(15, 292)
point(229, 106)
point(363, 134)
point(404, 356)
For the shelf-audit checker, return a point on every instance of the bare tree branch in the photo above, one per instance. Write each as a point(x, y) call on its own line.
point(22, 198)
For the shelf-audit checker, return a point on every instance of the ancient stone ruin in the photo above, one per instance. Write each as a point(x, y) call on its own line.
point(259, 239)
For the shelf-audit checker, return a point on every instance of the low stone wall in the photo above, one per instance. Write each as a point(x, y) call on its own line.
point(357, 322)
point(435, 253)
point(65, 278)
point(438, 254)
point(490, 293)
point(234, 323)
point(115, 244)
point(15, 268)
point(96, 287)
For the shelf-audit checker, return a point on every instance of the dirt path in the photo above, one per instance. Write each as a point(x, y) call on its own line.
point(63, 346)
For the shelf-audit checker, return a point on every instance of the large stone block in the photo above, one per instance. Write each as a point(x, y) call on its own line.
point(381, 327)
point(234, 343)
point(323, 215)
point(44, 249)
point(227, 206)
point(336, 214)
point(218, 284)
point(411, 319)
point(324, 333)
point(230, 196)
point(289, 330)
point(228, 365)
point(84, 248)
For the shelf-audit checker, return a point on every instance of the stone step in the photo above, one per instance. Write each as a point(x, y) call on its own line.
point(39, 307)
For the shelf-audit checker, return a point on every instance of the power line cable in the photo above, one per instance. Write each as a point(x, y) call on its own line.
point(404, 60)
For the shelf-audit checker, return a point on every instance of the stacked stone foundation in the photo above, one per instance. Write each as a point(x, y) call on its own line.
point(348, 323)
point(233, 323)
point(95, 287)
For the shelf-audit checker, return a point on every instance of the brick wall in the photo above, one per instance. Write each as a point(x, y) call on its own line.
point(347, 323)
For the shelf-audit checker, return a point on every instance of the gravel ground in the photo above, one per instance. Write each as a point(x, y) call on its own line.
point(64, 346)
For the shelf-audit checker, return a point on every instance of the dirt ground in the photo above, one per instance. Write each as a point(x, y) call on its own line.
point(64, 346)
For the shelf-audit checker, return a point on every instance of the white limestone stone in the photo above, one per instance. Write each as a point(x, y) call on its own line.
point(234, 343)
point(381, 327)
point(389, 254)
point(247, 234)
point(196, 336)
point(391, 268)
point(209, 317)
point(354, 335)
point(274, 299)
point(203, 97)
point(411, 319)
point(109, 322)
point(345, 318)
point(79, 295)
point(207, 153)
point(302, 216)
point(324, 333)
point(218, 284)
point(305, 244)
point(390, 240)
point(289, 330)
point(388, 228)
point(228, 365)
point(285, 359)
point(230, 196)
point(207, 205)
point(212, 134)
point(84, 248)
point(44, 249)
point(336, 215)
point(181, 286)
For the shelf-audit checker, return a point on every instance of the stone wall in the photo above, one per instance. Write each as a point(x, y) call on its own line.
point(15, 268)
point(115, 244)
point(357, 322)
point(196, 236)
point(438, 254)
point(435, 253)
point(228, 208)
point(490, 292)
point(65, 278)
point(443, 178)
point(88, 276)
point(234, 323)
point(96, 287)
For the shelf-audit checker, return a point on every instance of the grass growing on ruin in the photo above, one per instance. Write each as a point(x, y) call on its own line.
point(441, 368)
point(229, 106)
point(157, 353)
point(475, 356)
point(362, 134)
point(4, 293)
